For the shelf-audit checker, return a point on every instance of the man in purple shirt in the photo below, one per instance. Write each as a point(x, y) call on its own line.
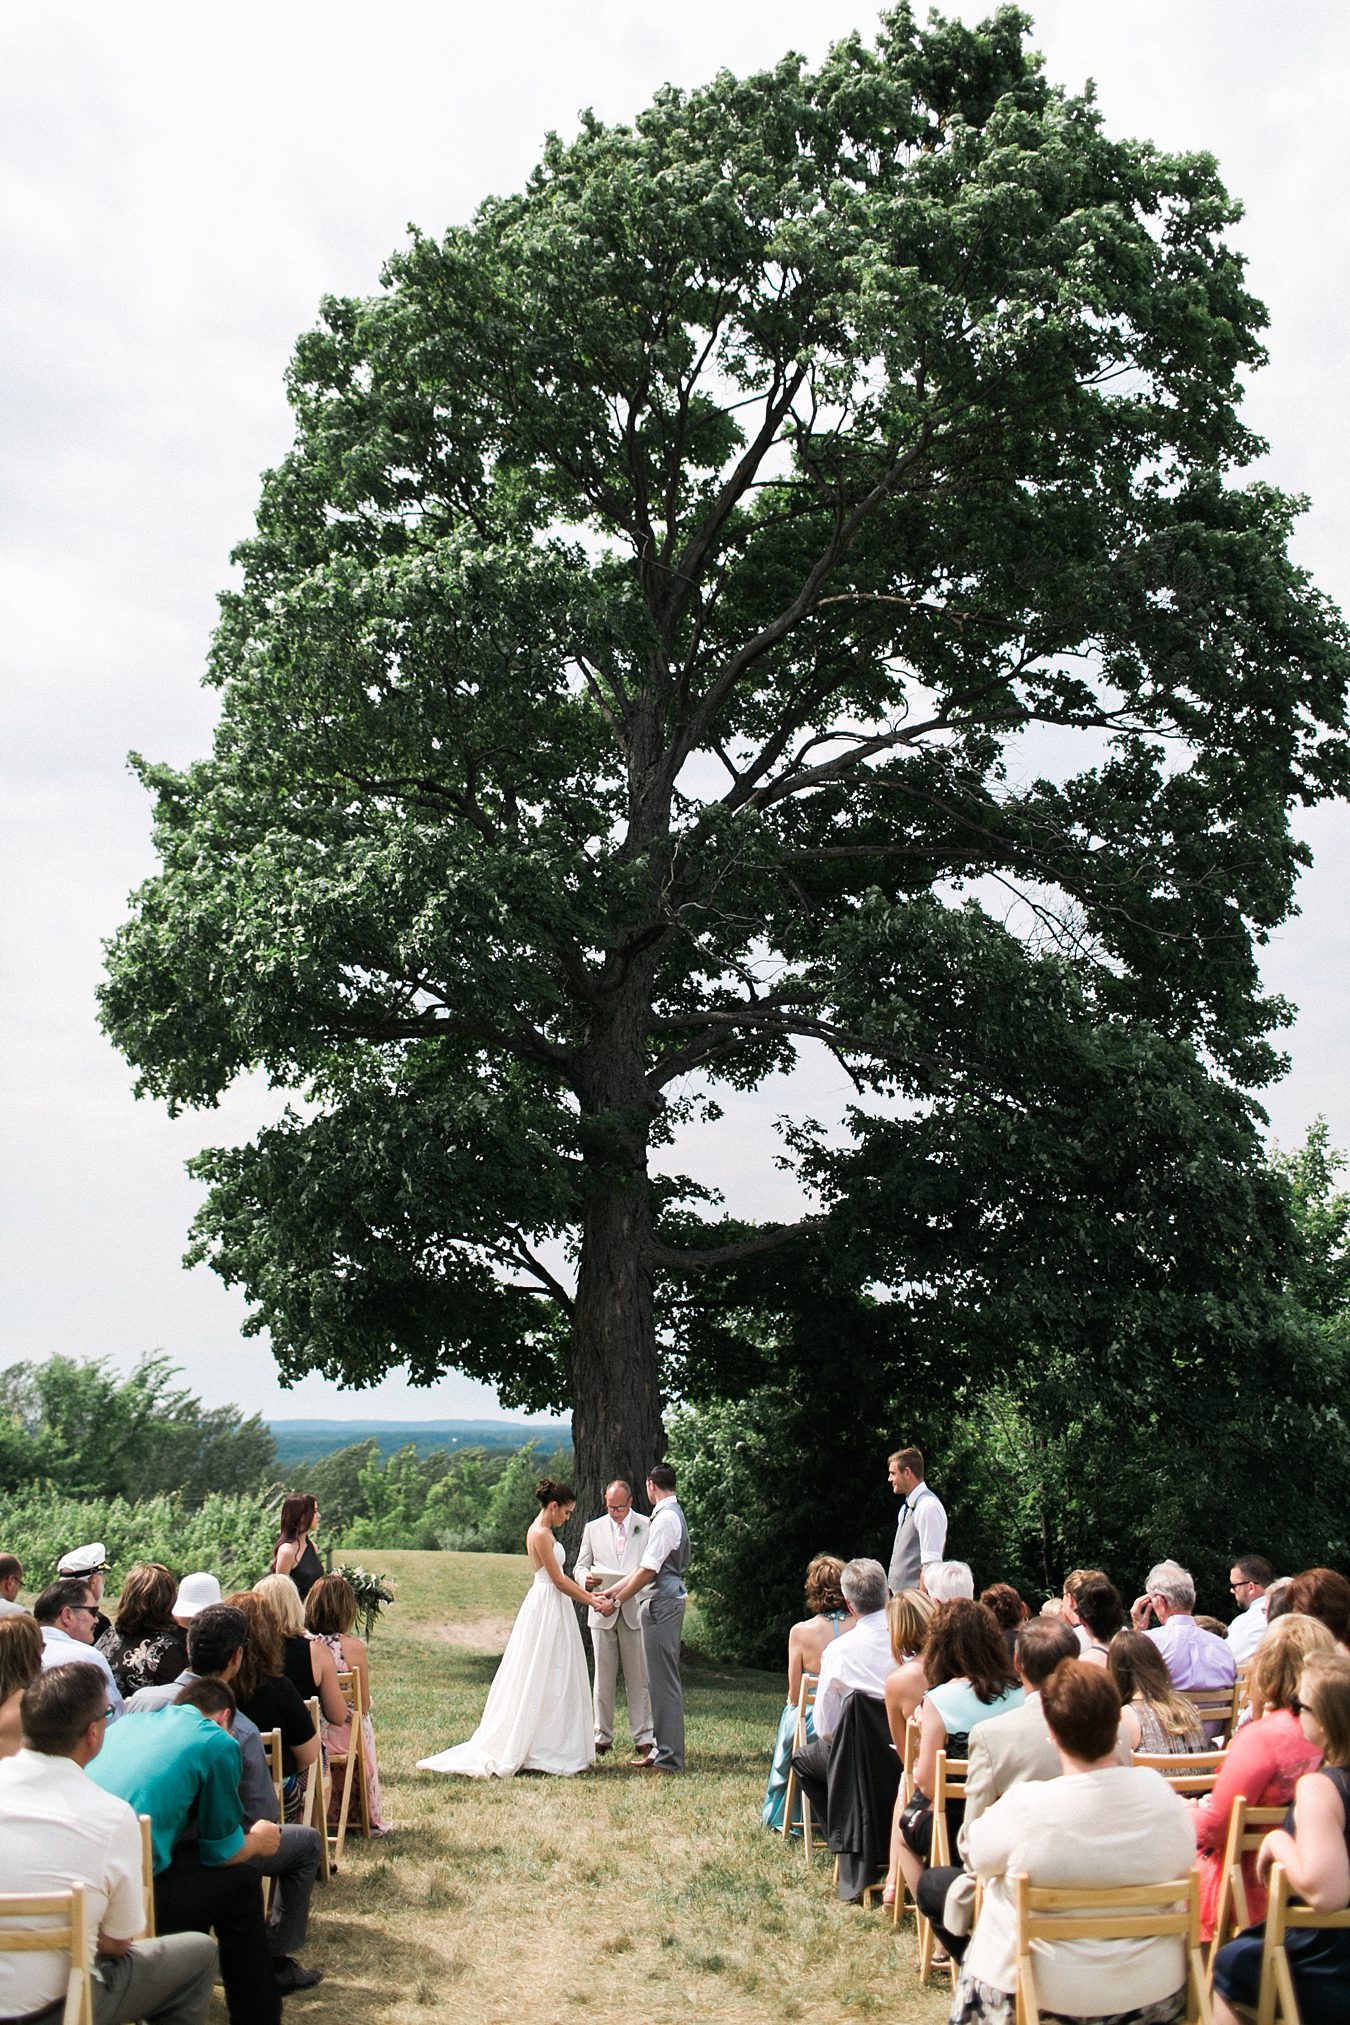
point(1195, 1658)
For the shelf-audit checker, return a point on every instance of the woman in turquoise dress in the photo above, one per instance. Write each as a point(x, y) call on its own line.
point(806, 1642)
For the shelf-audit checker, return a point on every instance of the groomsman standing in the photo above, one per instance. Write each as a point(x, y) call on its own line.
point(615, 1543)
point(665, 1559)
point(920, 1528)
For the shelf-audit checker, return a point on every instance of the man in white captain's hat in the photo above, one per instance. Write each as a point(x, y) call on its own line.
point(89, 1565)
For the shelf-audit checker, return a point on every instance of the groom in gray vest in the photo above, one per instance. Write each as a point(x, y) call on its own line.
point(665, 1559)
point(921, 1525)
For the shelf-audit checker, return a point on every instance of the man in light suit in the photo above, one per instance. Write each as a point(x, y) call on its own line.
point(615, 1544)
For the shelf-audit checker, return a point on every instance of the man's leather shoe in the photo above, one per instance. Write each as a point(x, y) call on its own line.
point(603, 1750)
point(290, 1975)
point(650, 1765)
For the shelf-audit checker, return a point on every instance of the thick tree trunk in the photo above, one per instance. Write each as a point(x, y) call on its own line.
point(616, 1388)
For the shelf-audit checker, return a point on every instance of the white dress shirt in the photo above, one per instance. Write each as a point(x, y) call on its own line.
point(857, 1661)
point(58, 1828)
point(1248, 1629)
point(664, 1535)
point(930, 1519)
point(60, 1649)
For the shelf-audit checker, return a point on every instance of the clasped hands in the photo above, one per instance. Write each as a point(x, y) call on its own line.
point(603, 1600)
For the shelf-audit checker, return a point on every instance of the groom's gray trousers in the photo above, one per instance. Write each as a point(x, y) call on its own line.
point(661, 1626)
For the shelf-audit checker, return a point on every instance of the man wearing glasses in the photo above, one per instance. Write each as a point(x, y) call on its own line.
point(1249, 1578)
point(67, 1612)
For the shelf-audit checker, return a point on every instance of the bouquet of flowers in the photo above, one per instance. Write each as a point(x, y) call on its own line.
point(372, 1593)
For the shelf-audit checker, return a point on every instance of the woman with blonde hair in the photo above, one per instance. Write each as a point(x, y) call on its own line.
point(1266, 1758)
point(807, 1640)
point(909, 1616)
point(306, 1662)
point(1155, 1719)
point(1314, 1849)
point(20, 1665)
point(330, 1617)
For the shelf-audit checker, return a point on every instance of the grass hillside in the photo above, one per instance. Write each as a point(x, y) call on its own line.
point(608, 1897)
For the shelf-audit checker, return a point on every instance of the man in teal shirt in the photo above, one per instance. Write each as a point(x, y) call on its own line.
point(179, 1765)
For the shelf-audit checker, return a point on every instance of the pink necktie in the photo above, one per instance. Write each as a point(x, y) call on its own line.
point(619, 1534)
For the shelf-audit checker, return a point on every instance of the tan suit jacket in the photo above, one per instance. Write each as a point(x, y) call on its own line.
point(597, 1551)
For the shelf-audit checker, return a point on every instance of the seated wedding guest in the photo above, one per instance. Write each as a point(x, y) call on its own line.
point(1073, 1582)
point(806, 1641)
point(1194, 1658)
point(218, 1638)
point(180, 1765)
point(1322, 1593)
point(263, 1693)
point(1002, 1751)
point(58, 1828)
point(20, 1665)
point(11, 1582)
point(948, 1582)
point(330, 1614)
point(909, 1616)
point(1215, 1626)
point(1101, 1614)
point(66, 1612)
point(306, 1662)
point(1008, 1608)
point(857, 1663)
point(145, 1647)
point(90, 1566)
point(1157, 1719)
point(1100, 1824)
point(196, 1592)
point(295, 1553)
point(971, 1680)
point(1266, 1759)
point(1277, 1597)
point(1314, 1848)
point(1249, 1578)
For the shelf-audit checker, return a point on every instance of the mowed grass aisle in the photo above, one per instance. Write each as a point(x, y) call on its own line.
point(611, 1896)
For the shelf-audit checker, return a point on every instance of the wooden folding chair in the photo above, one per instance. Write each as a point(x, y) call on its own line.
point(908, 1759)
point(793, 1795)
point(949, 1783)
point(1278, 2002)
point(1117, 1913)
point(271, 1743)
point(148, 1877)
point(1248, 1828)
point(1187, 1772)
point(352, 1763)
point(314, 1804)
point(1217, 1709)
point(47, 1923)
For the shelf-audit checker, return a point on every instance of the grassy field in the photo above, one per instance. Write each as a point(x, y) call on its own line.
point(609, 1897)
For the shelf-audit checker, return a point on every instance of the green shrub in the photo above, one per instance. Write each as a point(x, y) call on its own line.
point(232, 1536)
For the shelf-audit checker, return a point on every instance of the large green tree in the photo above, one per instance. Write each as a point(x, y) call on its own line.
point(778, 581)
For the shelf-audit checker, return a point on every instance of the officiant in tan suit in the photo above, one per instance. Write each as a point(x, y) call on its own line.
point(611, 1547)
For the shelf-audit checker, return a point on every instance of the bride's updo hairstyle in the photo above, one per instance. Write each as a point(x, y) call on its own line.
point(550, 1493)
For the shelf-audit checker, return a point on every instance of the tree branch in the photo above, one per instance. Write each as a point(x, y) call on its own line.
point(695, 1261)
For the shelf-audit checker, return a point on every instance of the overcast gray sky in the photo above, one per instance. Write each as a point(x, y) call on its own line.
point(181, 184)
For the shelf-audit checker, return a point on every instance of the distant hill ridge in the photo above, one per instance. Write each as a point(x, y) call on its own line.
point(300, 1441)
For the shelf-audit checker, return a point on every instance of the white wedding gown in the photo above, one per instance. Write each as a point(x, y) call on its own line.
point(538, 1714)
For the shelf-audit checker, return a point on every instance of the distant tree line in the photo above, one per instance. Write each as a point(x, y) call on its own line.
point(468, 1499)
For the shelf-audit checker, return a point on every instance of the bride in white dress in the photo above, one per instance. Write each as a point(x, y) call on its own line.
point(538, 1715)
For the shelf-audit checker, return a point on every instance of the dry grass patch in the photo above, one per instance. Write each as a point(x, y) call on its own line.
point(610, 1896)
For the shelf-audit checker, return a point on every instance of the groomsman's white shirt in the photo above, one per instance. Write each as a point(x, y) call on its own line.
point(859, 1659)
point(60, 1649)
point(664, 1536)
point(930, 1519)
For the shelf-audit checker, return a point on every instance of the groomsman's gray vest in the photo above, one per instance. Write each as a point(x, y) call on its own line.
point(669, 1577)
point(906, 1557)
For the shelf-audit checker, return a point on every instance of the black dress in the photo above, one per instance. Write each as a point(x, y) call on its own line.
point(307, 1570)
point(1319, 1957)
point(298, 1667)
point(275, 1705)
